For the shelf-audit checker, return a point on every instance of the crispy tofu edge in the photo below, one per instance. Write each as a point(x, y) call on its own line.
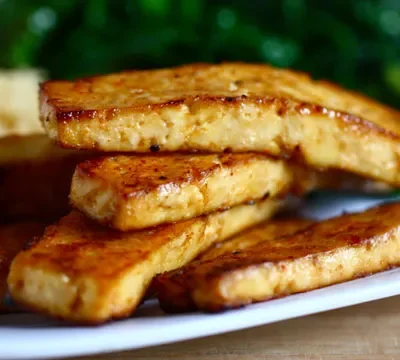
point(174, 287)
point(34, 286)
point(375, 152)
point(244, 181)
point(230, 284)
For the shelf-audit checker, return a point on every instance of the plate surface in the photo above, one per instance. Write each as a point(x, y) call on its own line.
point(28, 336)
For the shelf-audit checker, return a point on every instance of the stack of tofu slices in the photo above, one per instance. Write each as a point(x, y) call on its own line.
point(176, 175)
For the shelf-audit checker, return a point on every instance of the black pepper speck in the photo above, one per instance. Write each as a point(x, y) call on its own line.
point(155, 148)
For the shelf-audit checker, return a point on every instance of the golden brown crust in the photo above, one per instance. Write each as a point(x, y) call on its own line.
point(139, 175)
point(13, 238)
point(229, 83)
point(318, 255)
point(130, 192)
point(83, 272)
point(273, 229)
point(134, 192)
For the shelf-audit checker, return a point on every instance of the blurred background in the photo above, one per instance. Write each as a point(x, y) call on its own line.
point(355, 43)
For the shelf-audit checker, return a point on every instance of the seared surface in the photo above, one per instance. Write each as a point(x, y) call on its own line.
point(174, 288)
point(240, 107)
point(132, 192)
point(13, 237)
point(280, 264)
point(35, 178)
point(256, 235)
point(83, 272)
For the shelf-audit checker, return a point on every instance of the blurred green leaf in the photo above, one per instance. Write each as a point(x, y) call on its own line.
point(355, 43)
point(158, 7)
point(392, 76)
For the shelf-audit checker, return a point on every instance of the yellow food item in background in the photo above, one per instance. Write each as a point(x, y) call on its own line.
point(19, 106)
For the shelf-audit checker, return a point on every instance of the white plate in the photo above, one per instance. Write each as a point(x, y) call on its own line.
point(26, 336)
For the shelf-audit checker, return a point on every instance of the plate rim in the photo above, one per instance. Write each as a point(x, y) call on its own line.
point(374, 287)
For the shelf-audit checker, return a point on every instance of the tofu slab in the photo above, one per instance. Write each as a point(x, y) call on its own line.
point(13, 238)
point(83, 272)
point(285, 260)
point(130, 192)
point(133, 192)
point(231, 106)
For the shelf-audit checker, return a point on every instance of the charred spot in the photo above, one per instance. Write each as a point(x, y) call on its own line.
point(163, 178)
point(280, 111)
point(266, 196)
point(229, 99)
point(155, 148)
point(236, 252)
point(238, 82)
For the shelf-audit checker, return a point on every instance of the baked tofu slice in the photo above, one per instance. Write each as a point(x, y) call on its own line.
point(232, 106)
point(132, 192)
point(13, 238)
point(35, 178)
point(83, 272)
point(173, 288)
point(318, 255)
